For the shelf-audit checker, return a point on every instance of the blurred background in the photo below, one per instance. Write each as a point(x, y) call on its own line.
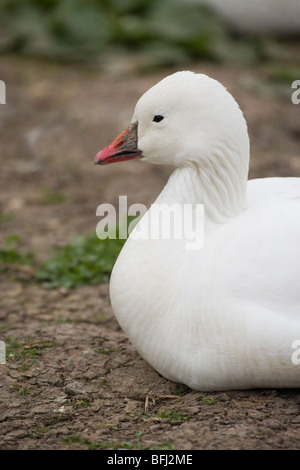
point(74, 70)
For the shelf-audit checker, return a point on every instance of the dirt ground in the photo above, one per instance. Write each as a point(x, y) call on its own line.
point(85, 387)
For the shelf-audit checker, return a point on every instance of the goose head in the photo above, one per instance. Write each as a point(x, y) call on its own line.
point(184, 120)
point(190, 121)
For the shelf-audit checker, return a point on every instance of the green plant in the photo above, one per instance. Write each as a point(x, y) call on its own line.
point(50, 197)
point(181, 392)
point(22, 391)
point(24, 352)
point(172, 415)
point(114, 445)
point(6, 217)
point(106, 351)
point(10, 253)
point(86, 260)
point(81, 404)
point(169, 415)
point(41, 430)
point(161, 33)
point(209, 401)
point(93, 445)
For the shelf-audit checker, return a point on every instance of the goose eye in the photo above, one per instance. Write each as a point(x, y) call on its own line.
point(158, 118)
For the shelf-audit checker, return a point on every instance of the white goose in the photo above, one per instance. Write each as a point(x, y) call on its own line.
point(226, 316)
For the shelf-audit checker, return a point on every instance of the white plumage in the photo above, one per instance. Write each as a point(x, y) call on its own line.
point(225, 316)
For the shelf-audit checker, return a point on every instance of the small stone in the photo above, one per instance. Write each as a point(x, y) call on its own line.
point(74, 388)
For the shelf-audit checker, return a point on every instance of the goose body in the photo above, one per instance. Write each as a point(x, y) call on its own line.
point(227, 315)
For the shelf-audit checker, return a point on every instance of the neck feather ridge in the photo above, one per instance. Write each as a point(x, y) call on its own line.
point(220, 184)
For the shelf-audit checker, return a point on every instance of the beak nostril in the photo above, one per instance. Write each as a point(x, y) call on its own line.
point(123, 148)
point(119, 144)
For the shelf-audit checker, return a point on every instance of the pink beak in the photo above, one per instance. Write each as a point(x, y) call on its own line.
point(123, 148)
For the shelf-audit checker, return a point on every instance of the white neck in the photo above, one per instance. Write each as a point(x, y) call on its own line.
point(220, 184)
